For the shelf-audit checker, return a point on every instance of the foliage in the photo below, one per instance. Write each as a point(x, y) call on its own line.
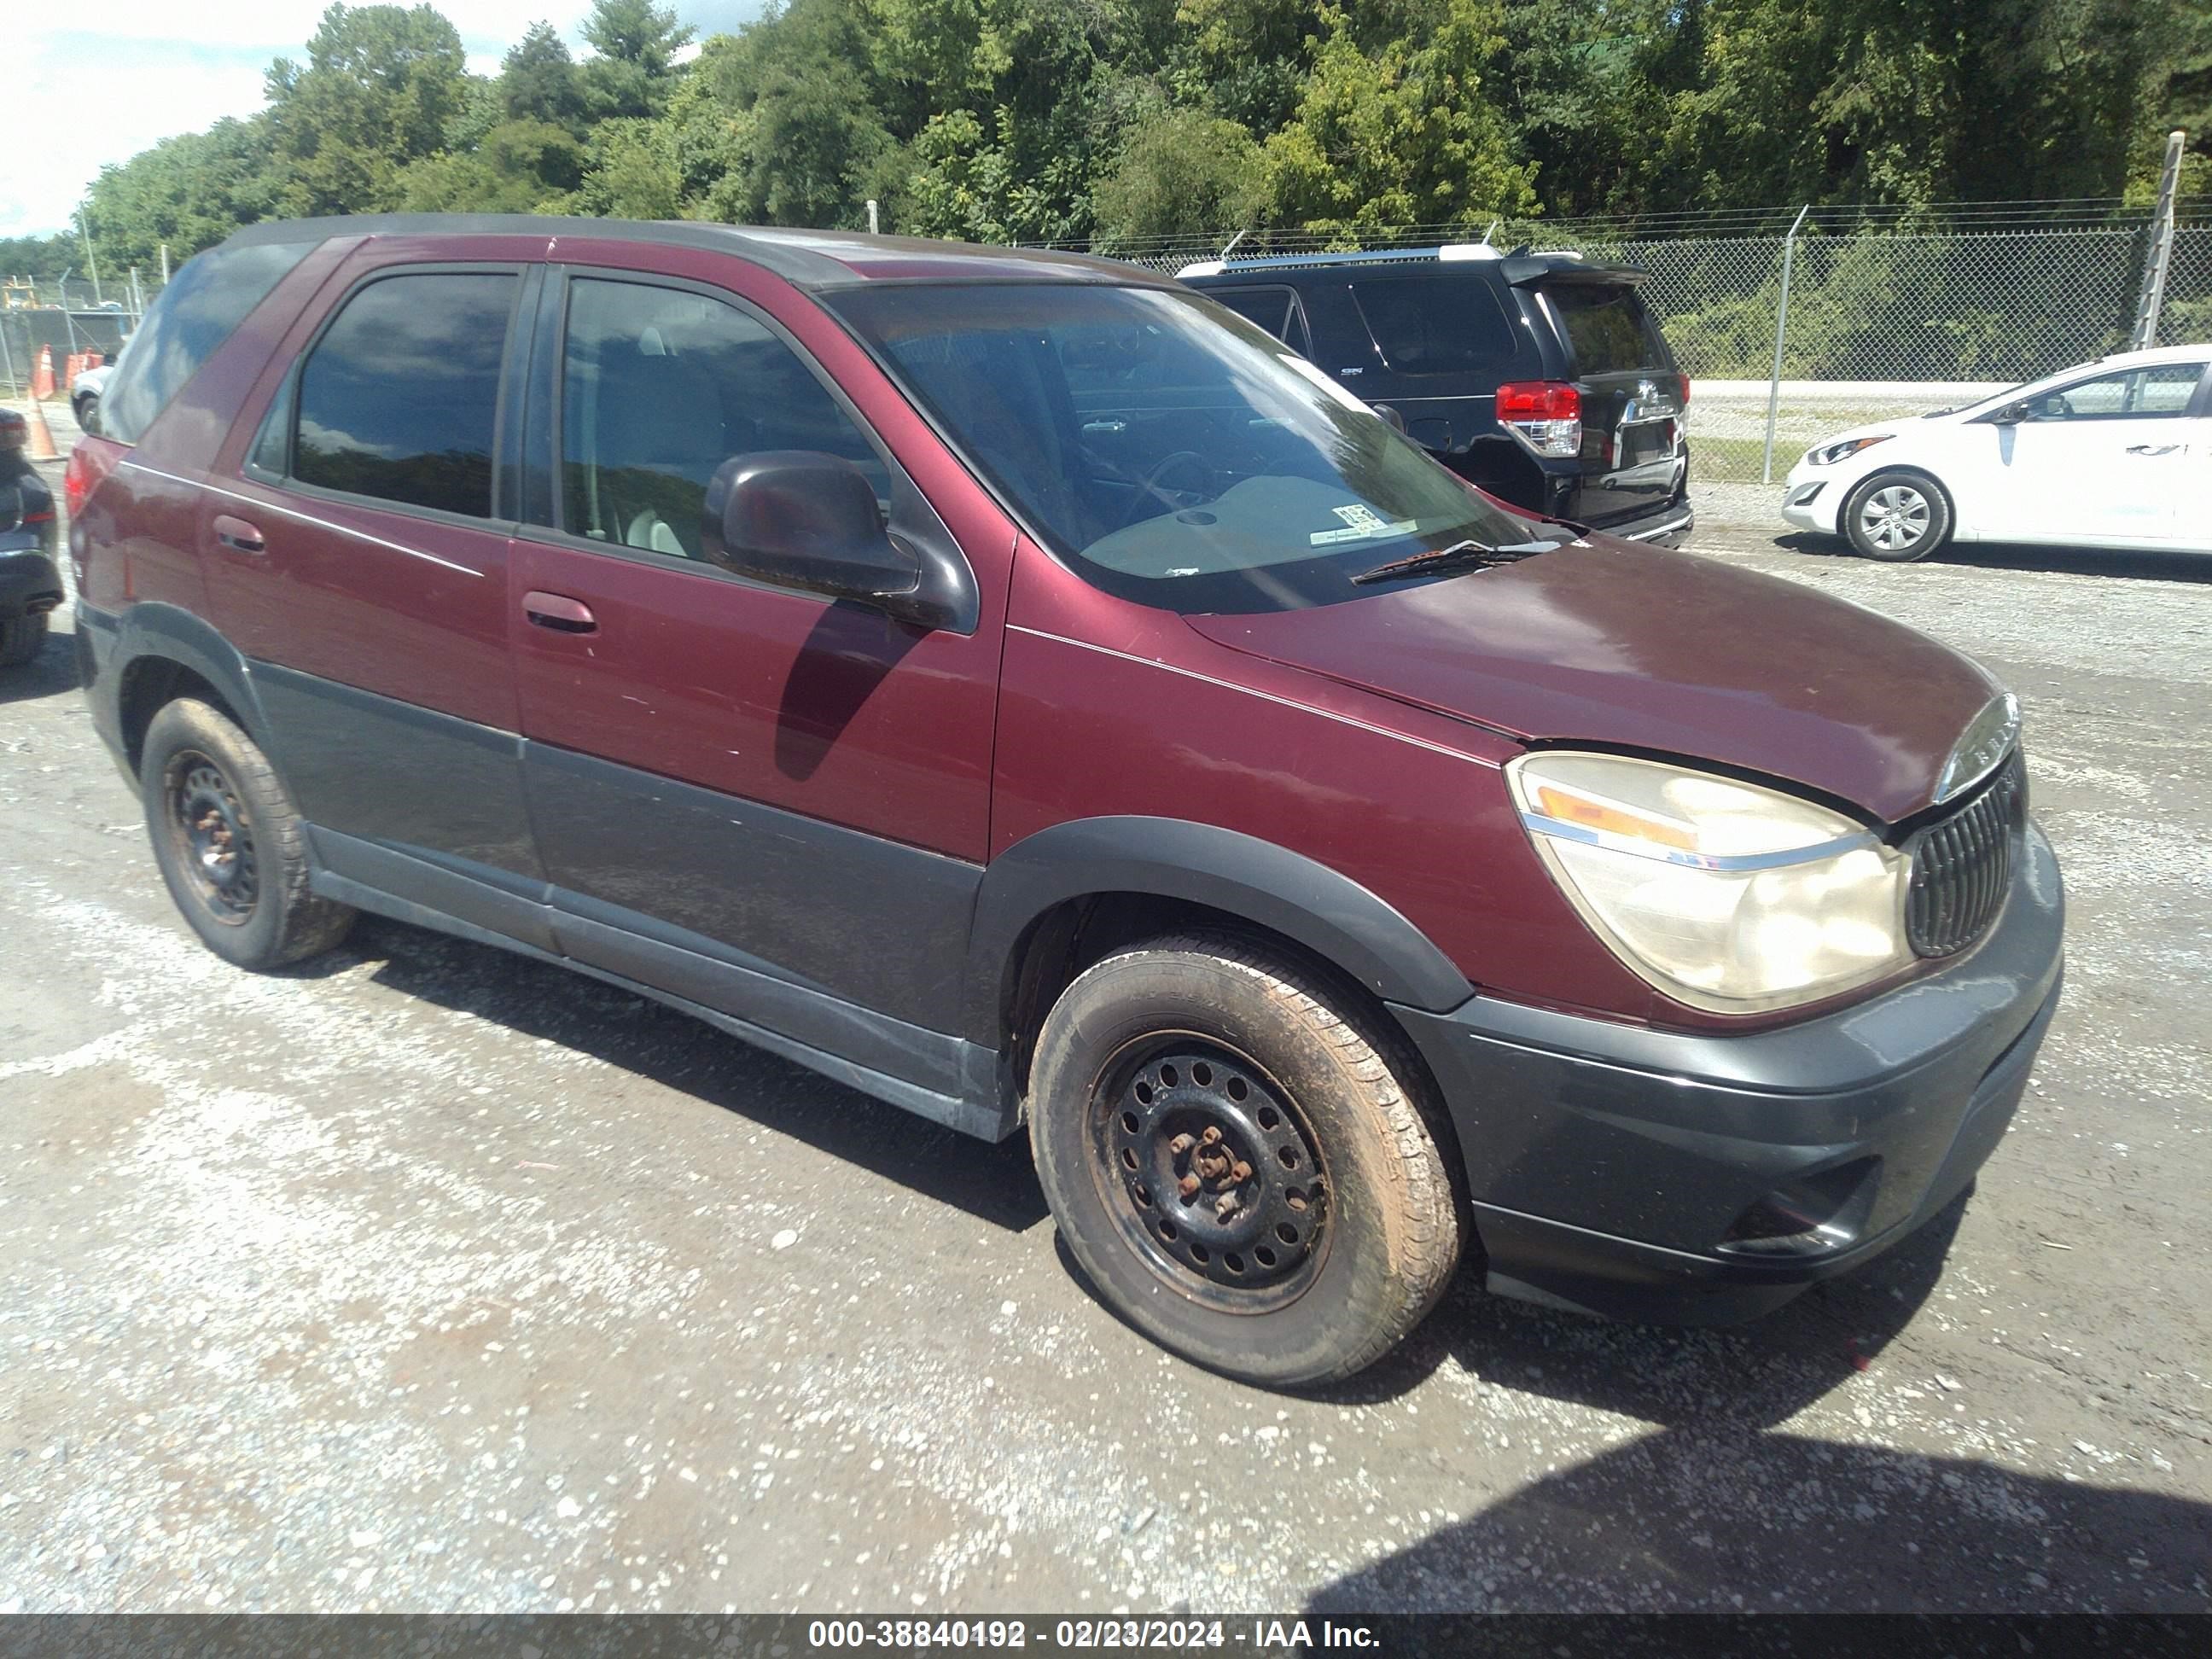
point(1183, 173)
point(1130, 119)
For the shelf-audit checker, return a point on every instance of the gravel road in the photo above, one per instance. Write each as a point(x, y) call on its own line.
point(427, 1279)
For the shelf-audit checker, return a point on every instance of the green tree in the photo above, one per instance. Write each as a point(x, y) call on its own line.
point(537, 79)
point(380, 85)
point(1400, 135)
point(634, 70)
point(1182, 172)
point(189, 192)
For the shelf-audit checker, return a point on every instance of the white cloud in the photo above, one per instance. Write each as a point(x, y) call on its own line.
point(120, 77)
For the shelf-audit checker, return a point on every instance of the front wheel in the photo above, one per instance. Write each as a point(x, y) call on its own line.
point(1237, 1156)
point(88, 412)
point(1897, 517)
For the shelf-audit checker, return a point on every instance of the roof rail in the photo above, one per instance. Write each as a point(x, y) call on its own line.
point(1446, 252)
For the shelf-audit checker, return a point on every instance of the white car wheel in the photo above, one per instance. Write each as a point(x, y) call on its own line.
point(1897, 517)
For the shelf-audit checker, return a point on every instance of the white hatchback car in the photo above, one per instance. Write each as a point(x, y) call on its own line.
point(2114, 453)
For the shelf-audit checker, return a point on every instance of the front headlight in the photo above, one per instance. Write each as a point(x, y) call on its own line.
point(1843, 449)
point(1722, 894)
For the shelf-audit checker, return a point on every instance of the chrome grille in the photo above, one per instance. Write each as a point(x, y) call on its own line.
point(1962, 866)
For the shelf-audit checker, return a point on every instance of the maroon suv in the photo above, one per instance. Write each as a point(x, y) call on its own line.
point(1025, 691)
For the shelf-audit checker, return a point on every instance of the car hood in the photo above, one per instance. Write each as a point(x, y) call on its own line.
point(1638, 647)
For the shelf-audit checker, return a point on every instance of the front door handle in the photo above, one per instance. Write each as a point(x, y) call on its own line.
point(2152, 449)
point(238, 535)
point(559, 612)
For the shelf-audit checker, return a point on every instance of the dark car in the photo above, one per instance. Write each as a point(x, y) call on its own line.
point(1005, 683)
point(1541, 377)
point(30, 584)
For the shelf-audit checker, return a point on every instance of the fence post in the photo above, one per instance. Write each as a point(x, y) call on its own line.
point(2150, 299)
point(8, 353)
point(1781, 328)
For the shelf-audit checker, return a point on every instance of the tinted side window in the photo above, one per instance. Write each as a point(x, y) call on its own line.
point(397, 398)
point(1425, 326)
point(1607, 328)
point(659, 388)
point(202, 304)
point(2163, 389)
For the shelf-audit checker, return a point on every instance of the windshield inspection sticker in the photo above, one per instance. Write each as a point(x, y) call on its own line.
point(1362, 523)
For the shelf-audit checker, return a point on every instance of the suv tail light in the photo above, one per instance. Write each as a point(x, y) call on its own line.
point(89, 463)
point(1546, 415)
point(1683, 382)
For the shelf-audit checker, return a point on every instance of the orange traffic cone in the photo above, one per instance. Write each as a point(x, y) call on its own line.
point(42, 377)
point(41, 445)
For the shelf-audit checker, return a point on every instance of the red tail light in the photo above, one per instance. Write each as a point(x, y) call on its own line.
point(1546, 415)
point(89, 463)
point(1683, 381)
point(1539, 400)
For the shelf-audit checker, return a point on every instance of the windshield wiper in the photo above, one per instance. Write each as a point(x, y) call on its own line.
point(1459, 556)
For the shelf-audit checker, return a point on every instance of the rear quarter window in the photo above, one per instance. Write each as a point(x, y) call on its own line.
point(1425, 326)
point(201, 307)
point(1608, 330)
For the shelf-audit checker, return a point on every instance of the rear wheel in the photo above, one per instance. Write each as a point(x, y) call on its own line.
point(232, 849)
point(1236, 1156)
point(88, 412)
point(1897, 517)
point(21, 638)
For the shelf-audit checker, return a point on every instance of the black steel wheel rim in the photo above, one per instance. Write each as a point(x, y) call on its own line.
point(1210, 1172)
point(211, 836)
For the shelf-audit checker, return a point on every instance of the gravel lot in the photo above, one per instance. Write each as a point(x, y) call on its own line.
point(427, 1278)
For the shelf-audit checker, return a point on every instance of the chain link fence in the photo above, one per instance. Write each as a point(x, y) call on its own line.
point(1889, 313)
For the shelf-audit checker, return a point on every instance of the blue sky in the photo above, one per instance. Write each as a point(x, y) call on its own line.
point(109, 80)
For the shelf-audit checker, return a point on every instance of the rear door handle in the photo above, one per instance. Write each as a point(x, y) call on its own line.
point(2152, 449)
point(559, 612)
point(238, 535)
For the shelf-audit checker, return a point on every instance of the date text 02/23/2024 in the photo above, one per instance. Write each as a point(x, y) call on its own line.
point(1254, 1635)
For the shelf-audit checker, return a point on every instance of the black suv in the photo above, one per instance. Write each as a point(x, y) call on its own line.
point(1539, 377)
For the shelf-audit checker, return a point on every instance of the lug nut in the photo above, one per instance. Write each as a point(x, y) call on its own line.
point(1224, 1206)
point(1188, 1185)
point(1180, 1144)
point(1242, 1171)
point(1211, 1135)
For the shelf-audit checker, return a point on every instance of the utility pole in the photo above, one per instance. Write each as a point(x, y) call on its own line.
point(2151, 297)
point(875, 229)
point(91, 265)
point(165, 265)
point(1781, 328)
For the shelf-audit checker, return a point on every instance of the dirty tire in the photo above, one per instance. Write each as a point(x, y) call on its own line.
point(193, 744)
point(88, 412)
point(1897, 516)
point(1391, 1230)
point(21, 638)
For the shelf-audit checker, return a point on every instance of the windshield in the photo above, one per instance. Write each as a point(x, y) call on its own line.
point(1170, 451)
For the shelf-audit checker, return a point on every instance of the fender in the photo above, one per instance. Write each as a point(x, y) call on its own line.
point(150, 628)
point(1287, 892)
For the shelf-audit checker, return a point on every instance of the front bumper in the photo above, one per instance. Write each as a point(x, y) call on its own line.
point(1612, 1167)
point(1811, 495)
point(29, 582)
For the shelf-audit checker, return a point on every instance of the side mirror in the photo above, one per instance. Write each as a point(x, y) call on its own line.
point(2010, 415)
point(1390, 414)
point(797, 518)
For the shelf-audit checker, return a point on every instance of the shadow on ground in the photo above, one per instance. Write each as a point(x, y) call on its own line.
point(2058, 561)
point(49, 674)
point(1725, 1518)
point(995, 1184)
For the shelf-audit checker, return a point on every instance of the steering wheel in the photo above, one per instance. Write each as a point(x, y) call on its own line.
point(1151, 484)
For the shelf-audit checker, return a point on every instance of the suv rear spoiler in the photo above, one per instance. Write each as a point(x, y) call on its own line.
point(1522, 268)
